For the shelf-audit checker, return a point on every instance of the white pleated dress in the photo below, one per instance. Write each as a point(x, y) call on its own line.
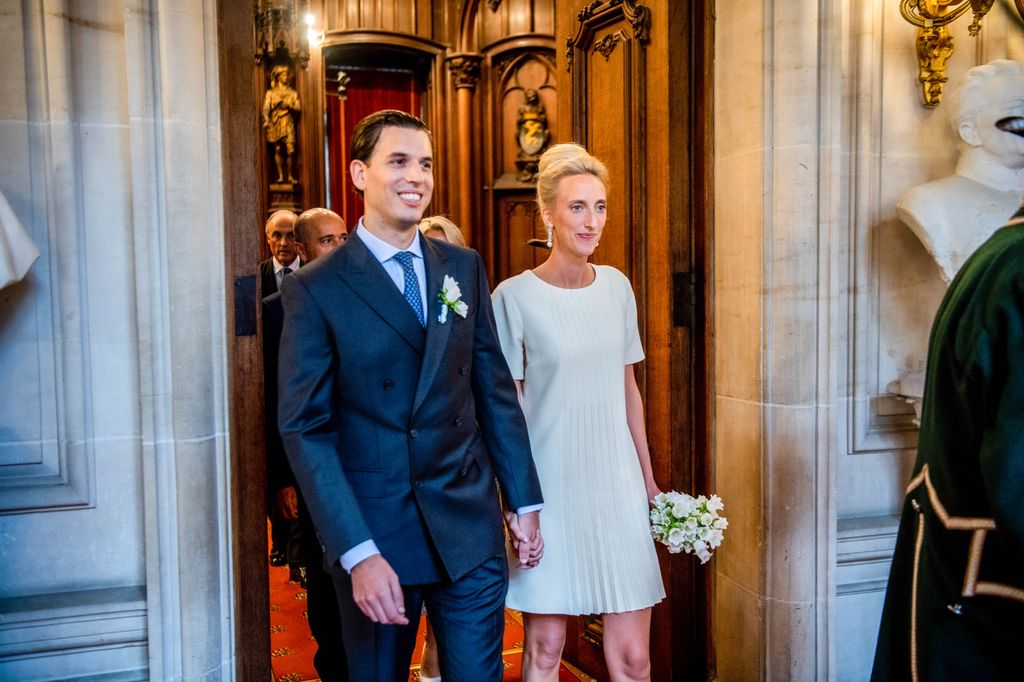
point(570, 347)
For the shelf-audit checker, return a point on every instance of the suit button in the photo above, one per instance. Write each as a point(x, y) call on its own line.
point(388, 384)
point(418, 484)
point(458, 421)
point(413, 433)
point(463, 370)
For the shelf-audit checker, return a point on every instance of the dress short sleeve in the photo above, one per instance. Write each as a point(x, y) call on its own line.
point(510, 329)
point(634, 349)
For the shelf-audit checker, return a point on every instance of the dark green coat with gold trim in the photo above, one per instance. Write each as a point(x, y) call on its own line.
point(954, 609)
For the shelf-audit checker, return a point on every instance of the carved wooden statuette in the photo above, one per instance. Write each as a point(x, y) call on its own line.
point(531, 135)
point(280, 108)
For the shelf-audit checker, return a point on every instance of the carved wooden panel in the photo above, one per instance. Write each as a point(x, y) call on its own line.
point(495, 22)
point(401, 16)
point(518, 75)
point(518, 220)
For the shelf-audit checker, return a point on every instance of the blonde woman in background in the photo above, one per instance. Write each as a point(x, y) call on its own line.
point(436, 227)
point(569, 333)
point(439, 227)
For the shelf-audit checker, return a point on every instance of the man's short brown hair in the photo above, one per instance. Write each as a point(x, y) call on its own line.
point(367, 132)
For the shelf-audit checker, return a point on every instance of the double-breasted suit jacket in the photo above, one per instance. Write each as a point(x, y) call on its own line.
point(396, 433)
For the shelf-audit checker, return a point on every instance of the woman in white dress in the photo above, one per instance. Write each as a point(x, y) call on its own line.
point(568, 330)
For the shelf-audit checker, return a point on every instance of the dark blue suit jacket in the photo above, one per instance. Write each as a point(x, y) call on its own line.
point(396, 433)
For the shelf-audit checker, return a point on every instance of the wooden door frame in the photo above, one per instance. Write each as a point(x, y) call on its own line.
point(692, 69)
point(240, 128)
point(681, 634)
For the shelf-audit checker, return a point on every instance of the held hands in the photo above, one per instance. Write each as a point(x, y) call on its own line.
point(524, 532)
point(376, 591)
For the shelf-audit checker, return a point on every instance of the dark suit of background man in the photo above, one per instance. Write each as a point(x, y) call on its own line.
point(285, 536)
point(954, 609)
point(318, 231)
point(396, 424)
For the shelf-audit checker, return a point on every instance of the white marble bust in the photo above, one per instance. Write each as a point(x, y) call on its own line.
point(17, 252)
point(954, 215)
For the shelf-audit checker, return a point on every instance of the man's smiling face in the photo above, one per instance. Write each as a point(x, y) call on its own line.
point(397, 180)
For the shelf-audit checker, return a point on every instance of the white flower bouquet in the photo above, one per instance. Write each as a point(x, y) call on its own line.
point(687, 524)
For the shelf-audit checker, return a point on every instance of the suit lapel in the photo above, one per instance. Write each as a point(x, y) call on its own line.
point(437, 333)
point(368, 279)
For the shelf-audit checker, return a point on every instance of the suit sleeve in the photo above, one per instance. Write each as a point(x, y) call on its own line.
point(307, 421)
point(497, 407)
point(1002, 447)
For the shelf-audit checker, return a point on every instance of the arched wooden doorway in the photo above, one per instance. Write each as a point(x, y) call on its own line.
point(645, 107)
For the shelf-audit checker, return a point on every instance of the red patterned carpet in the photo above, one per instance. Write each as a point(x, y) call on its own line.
point(292, 647)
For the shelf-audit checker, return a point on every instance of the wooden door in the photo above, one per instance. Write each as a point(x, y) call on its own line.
point(635, 92)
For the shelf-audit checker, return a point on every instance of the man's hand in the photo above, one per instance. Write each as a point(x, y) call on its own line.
point(527, 541)
point(288, 503)
point(376, 591)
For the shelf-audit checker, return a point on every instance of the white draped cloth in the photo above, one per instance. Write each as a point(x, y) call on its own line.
point(17, 252)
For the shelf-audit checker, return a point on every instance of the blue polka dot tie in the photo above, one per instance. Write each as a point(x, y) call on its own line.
point(412, 286)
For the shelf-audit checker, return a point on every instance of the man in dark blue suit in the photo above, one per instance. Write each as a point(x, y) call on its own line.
point(397, 413)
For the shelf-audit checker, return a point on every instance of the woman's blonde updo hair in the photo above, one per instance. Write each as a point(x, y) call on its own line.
point(563, 160)
point(446, 227)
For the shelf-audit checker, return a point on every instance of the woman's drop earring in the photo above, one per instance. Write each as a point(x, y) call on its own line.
point(549, 235)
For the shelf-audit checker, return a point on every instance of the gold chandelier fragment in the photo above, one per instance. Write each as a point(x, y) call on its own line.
point(935, 42)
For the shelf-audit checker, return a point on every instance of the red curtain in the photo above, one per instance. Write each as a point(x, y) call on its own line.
point(367, 92)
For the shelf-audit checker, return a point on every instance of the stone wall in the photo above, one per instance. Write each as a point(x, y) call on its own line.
point(822, 297)
point(116, 549)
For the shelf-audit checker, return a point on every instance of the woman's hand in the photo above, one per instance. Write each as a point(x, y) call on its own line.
point(652, 489)
point(529, 546)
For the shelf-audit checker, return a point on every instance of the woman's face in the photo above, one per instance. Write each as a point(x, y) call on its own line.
point(578, 216)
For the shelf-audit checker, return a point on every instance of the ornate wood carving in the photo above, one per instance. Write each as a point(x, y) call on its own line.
point(465, 70)
point(607, 44)
point(599, 14)
point(280, 33)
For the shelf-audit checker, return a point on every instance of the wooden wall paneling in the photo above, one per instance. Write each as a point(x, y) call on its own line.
point(441, 119)
point(311, 143)
point(425, 18)
point(543, 19)
point(492, 25)
point(240, 126)
point(517, 221)
point(444, 20)
point(411, 17)
point(519, 63)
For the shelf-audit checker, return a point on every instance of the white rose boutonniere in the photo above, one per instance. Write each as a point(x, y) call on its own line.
point(451, 298)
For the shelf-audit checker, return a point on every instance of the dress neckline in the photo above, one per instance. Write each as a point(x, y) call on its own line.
point(555, 286)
